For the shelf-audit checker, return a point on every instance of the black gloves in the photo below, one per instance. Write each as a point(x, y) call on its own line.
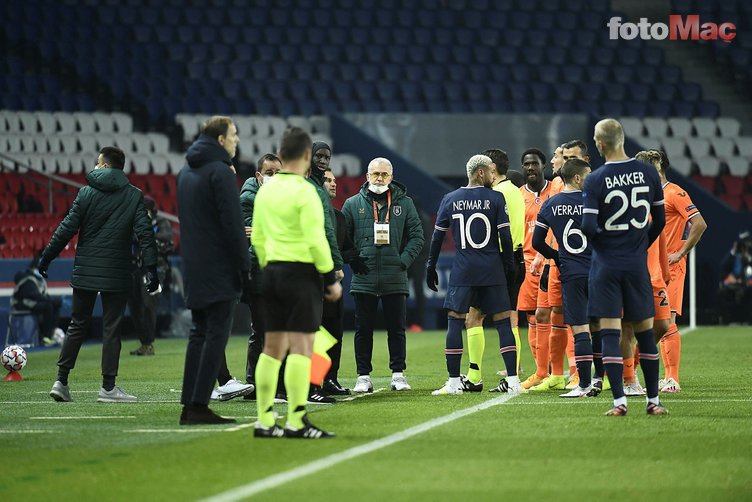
point(246, 278)
point(544, 279)
point(43, 266)
point(358, 265)
point(432, 279)
point(152, 280)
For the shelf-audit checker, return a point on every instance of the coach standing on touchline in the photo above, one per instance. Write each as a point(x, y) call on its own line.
point(216, 262)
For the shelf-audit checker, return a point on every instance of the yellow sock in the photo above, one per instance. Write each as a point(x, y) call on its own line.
point(267, 373)
point(297, 383)
point(516, 333)
point(476, 345)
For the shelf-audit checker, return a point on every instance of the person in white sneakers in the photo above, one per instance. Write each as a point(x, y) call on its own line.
point(482, 274)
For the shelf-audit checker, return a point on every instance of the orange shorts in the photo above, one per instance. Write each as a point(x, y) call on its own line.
point(676, 287)
point(527, 300)
point(662, 305)
point(554, 287)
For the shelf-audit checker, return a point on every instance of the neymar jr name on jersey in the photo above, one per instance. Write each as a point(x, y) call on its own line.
point(471, 205)
point(624, 179)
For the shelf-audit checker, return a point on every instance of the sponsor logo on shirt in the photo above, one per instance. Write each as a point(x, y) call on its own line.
point(691, 207)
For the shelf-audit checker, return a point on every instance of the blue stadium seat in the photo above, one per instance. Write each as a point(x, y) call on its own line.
point(513, 38)
point(671, 74)
point(682, 109)
point(410, 91)
point(431, 91)
point(573, 74)
point(387, 91)
point(690, 91)
point(565, 92)
point(640, 92)
point(707, 109)
point(435, 72)
point(518, 91)
point(623, 74)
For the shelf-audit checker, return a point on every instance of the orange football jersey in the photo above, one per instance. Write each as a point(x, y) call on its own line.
point(533, 203)
point(679, 210)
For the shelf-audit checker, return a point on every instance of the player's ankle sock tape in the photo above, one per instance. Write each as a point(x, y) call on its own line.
point(649, 360)
point(453, 350)
point(583, 354)
point(507, 345)
point(613, 362)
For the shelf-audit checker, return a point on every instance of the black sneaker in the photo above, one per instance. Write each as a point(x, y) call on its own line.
point(201, 415)
point(251, 396)
point(309, 431)
point(143, 350)
point(597, 387)
point(317, 397)
point(468, 386)
point(274, 431)
point(333, 388)
point(502, 387)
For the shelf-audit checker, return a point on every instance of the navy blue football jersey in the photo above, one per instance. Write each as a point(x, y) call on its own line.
point(478, 219)
point(562, 213)
point(620, 197)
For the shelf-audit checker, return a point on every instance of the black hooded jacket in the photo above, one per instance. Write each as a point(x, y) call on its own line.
point(213, 242)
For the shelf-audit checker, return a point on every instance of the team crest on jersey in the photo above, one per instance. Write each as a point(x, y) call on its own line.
point(397, 210)
point(361, 210)
point(538, 201)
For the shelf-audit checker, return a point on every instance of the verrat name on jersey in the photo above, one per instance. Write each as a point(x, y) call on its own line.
point(567, 210)
point(620, 180)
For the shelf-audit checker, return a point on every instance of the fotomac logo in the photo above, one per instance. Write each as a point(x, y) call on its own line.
point(678, 28)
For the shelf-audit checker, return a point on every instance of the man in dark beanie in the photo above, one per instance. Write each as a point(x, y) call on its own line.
point(320, 158)
point(215, 260)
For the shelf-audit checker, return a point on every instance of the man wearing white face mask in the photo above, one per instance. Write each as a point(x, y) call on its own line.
point(387, 231)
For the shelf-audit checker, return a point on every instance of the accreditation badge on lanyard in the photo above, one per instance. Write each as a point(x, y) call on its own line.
point(381, 230)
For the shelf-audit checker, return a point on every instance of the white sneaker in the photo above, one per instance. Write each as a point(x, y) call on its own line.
point(662, 383)
point(634, 389)
point(116, 395)
point(363, 384)
point(399, 382)
point(232, 389)
point(578, 392)
point(671, 386)
point(447, 390)
point(515, 388)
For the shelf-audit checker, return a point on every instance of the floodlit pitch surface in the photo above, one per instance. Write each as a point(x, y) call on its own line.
point(390, 445)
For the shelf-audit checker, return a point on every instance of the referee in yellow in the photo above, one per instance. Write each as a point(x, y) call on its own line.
point(292, 249)
point(476, 340)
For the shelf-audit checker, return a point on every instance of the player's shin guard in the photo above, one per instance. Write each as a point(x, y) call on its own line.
point(532, 334)
point(476, 346)
point(517, 344)
point(613, 363)
point(583, 355)
point(507, 347)
point(597, 353)
point(672, 346)
point(297, 378)
point(453, 350)
point(559, 335)
point(649, 361)
point(542, 351)
point(267, 373)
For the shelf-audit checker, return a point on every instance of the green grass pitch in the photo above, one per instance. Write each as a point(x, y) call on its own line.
point(529, 447)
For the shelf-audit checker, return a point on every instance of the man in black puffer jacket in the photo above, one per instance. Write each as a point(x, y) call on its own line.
point(106, 214)
point(216, 263)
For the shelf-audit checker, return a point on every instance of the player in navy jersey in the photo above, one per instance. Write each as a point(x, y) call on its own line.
point(620, 198)
point(562, 213)
point(480, 273)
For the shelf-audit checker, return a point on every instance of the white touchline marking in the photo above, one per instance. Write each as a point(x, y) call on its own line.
point(187, 429)
point(281, 478)
point(72, 392)
point(577, 402)
point(71, 403)
point(239, 427)
point(14, 431)
point(91, 417)
point(364, 394)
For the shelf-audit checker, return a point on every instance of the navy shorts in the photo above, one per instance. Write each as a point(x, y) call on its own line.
point(615, 294)
point(487, 299)
point(575, 301)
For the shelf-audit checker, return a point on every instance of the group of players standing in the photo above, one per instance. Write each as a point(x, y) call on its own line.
point(620, 240)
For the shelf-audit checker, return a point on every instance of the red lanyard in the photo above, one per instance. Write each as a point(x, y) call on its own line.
point(388, 205)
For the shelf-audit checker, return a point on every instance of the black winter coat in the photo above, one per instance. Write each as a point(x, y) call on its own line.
point(105, 214)
point(213, 242)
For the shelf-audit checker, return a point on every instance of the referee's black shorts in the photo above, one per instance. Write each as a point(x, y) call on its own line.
point(293, 297)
